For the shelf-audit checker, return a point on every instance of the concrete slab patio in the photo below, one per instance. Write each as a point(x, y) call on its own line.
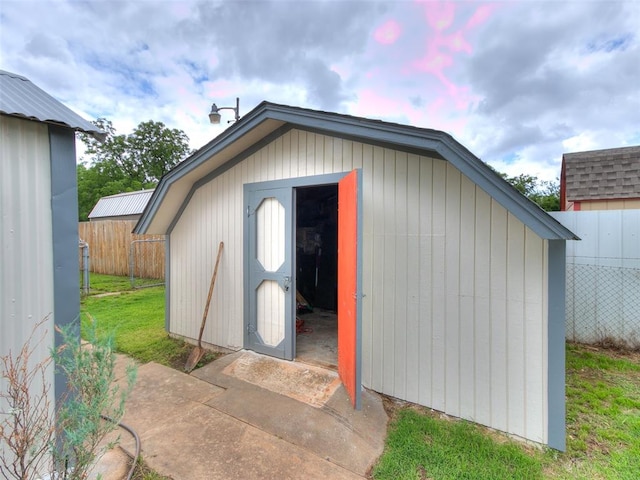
point(224, 421)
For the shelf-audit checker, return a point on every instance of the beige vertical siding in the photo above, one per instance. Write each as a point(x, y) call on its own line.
point(26, 263)
point(454, 313)
point(620, 204)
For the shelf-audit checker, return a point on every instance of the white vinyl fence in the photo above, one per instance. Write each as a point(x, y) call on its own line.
point(603, 276)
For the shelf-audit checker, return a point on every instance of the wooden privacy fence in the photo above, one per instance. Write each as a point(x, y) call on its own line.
point(111, 243)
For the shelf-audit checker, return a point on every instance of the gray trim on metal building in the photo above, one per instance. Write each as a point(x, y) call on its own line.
point(403, 137)
point(22, 99)
point(64, 216)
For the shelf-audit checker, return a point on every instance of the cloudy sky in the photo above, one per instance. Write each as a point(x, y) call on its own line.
point(517, 82)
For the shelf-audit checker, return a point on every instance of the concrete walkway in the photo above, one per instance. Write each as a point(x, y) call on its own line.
point(224, 421)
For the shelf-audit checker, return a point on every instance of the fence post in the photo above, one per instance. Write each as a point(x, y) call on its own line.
point(85, 267)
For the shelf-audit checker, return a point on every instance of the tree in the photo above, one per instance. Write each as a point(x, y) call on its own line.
point(543, 192)
point(126, 163)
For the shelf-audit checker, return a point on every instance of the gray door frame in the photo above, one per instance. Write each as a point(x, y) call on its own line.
point(252, 193)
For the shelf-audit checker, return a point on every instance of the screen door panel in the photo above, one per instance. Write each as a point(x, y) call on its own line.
point(270, 272)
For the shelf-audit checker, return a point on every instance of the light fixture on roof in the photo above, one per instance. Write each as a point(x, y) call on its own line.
point(214, 116)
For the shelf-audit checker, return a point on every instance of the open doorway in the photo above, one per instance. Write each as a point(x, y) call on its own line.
point(317, 275)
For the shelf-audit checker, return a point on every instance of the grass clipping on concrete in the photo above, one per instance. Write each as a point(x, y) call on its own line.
point(603, 432)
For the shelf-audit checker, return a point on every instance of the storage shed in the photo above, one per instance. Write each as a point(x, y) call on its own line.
point(38, 218)
point(439, 282)
point(606, 179)
point(121, 206)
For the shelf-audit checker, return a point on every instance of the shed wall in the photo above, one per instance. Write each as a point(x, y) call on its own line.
point(455, 306)
point(26, 251)
point(620, 204)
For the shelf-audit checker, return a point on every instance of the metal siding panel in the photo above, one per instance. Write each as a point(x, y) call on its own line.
point(285, 146)
point(357, 155)
point(425, 285)
point(329, 154)
point(302, 153)
point(630, 237)
point(516, 342)
point(400, 284)
point(342, 155)
point(609, 251)
point(535, 317)
point(309, 158)
point(389, 270)
point(438, 276)
point(362, 155)
point(413, 292)
point(279, 169)
point(498, 305)
point(26, 250)
point(452, 284)
point(482, 307)
point(467, 345)
point(379, 364)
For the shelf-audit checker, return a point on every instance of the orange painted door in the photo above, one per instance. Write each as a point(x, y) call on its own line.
point(348, 291)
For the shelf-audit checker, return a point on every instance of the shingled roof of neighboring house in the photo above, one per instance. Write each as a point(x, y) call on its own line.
point(19, 97)
point(121, 204)
point(602, 174)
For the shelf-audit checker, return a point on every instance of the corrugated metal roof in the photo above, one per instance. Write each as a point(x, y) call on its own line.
point(19, 97)
point(613, 173)
point(128, 203)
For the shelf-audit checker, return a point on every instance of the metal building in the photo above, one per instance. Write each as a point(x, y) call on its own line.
point(121, 206)
point(447, 283)
point(38, 218)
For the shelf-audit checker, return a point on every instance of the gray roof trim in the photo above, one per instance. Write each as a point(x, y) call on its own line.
point(219, 143)
point(21, 98)
point(223, 168)
point(419, 140)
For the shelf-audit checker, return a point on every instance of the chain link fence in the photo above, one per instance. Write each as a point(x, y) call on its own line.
point(603, 305)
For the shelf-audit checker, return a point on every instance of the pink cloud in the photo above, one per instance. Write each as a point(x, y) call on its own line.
point(480, 16)
point(441, 49)
point(371, 104)
point(440, 15)
point(458, 43)
point(388, 33)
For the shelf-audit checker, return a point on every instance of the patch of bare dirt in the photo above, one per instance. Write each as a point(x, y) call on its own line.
point(612, 348)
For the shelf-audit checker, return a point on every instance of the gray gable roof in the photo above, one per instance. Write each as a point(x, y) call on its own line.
point(21, 98)
point(613, 173)
point(121, 204)
point(269, 120)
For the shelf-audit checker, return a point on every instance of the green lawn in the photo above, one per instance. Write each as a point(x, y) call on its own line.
point(110, 283)
point(603, 415)
point(603, 433)
point(603, 407)
point(136, 319)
